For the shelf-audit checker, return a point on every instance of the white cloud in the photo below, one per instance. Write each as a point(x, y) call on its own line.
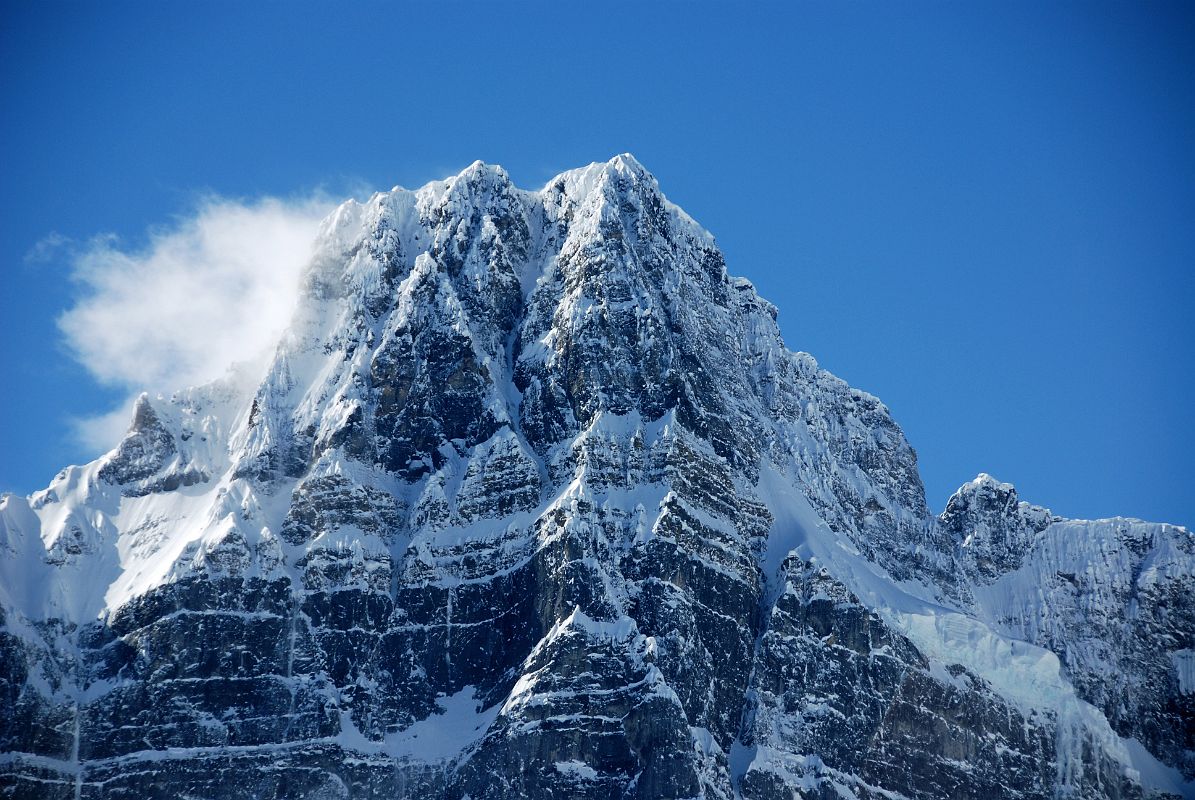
point(47, 249)
point(215, 288)
point(102, 432)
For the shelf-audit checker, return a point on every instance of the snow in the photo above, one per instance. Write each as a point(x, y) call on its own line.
point(23, 570)
point(577, 769)
point(457, 725)
point(985, 480)
point(739, 761)
point(617, 630)
point(109, 547)
point(704, 741)
point(1029, 676)
point(1184, 669)
point(1156, 775)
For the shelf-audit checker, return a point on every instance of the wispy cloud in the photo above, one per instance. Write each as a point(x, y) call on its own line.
point(48, 248)
point(100, 433)
point(216, 287)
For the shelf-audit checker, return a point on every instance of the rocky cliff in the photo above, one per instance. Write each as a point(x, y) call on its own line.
point(532, 501)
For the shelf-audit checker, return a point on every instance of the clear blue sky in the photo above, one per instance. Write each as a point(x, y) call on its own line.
point(984, 214)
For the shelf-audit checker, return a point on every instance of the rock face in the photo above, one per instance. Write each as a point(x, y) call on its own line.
point(532, 501)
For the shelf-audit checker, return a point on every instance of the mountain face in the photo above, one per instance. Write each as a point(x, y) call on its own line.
point(532, 501)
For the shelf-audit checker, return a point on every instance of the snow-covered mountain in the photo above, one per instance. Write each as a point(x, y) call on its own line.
point(532, 501)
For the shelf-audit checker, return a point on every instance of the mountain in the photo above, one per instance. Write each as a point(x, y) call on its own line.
point(532, 501)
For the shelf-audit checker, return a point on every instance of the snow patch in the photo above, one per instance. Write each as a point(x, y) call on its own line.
point(1184, 669)
point(577, 769)
point(458, 724)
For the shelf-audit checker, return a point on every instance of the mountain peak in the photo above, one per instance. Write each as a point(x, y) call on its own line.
point(627, 164)
point(617, 176)
point(532, 500)
point(481, 172)
point(992, 525)
point(983, 481)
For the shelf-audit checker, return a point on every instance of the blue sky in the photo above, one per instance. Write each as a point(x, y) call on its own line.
point(984, 214)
